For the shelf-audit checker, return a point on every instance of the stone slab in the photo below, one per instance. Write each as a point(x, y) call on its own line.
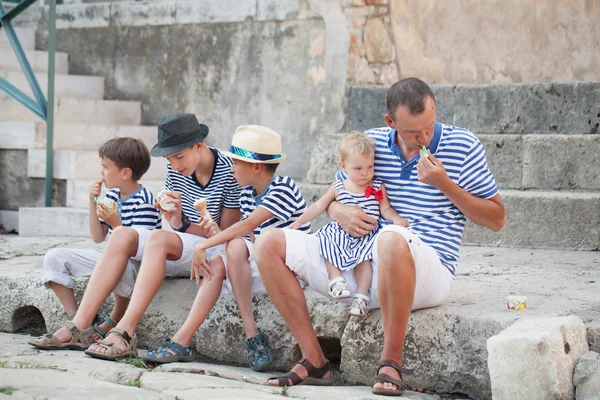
point(535, 359)
point(586, 377)
point(77, 110)
point(38, 60)
point(17, 135)
point(26, 38)
point(80, 86)
point(538, 108)
point(41, 221)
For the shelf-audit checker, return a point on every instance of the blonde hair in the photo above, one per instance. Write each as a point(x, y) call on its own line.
point(355, 143)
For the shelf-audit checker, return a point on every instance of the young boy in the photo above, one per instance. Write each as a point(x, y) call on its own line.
point(267, 201)
point(124, 161)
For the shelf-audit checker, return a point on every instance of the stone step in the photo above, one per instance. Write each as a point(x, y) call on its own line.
point(26, 38)
point(539, 108)
point(81, 110)
point(70, 136)
point(442, 343)
point(37, 59)
point(81, 164)
point(531, 220)
point(80, 86)
point(77, 190)
point(549, 161)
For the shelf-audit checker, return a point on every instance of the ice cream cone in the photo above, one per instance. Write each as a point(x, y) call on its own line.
point(201, 206)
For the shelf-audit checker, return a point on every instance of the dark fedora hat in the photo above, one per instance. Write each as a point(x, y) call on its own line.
point(177, 132)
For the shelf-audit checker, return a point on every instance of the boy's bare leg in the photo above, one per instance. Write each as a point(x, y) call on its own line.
point(396, 280)
point(66, 297)
point(363, 274)
point(122, 244)
point(207, 296)
point(160, 247)
point(117, 312)
point(240, 276)
point(332, 271)
point(287, 295)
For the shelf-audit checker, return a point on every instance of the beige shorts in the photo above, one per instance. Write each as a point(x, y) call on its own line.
point(257, 283)
point(182, 266)
point(433, 280)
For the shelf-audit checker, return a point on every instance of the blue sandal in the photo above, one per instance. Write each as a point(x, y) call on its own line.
point(259, 355)
point(169, 352)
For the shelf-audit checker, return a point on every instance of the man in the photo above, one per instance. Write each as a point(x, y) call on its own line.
point(436, 176)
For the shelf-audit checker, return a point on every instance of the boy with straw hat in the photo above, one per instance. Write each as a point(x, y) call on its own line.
point(267, 201)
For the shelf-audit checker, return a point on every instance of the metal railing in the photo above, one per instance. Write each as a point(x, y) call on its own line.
point(39, 106)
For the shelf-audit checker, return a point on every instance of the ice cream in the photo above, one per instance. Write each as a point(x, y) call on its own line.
point(162, 198)
point(201, 205)
point(110, 204)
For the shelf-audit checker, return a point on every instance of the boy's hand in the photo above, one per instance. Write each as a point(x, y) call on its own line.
point(208, 226)
point(173, 216)
point(200, 264)
point(401, 221)
point(111, 217)
point(95, 190)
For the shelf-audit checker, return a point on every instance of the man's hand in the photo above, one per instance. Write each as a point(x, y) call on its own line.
point(200, 264)
point(111, 217)
point(208, 226)
point(431, 171)
point(352, 219)
point(95, 189)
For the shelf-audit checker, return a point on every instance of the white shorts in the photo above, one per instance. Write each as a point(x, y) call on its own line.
point(433, 280)
point(257, 283)
point(183, 266)
point(62, 265)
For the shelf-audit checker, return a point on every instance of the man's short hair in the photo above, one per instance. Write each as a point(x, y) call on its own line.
point(410, 93)
point(127, 153)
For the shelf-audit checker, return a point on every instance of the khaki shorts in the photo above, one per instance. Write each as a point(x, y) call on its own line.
point(433, 280)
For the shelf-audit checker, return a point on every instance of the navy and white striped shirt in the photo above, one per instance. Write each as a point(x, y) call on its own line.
point(221, 190)
point(281, 197)
point(136, 210)
point(434, 218)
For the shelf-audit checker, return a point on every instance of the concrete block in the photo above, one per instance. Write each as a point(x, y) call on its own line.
point(17, 135)
point(324, 159)
point(81, 164)
point(277, 10)
point(53, 221)
point(81, 136)
point(77, 110)
point(587, 377)
point(37, 59)
point(535, 359)
point(78, 189)
point(541, 219)
point(91, 87)
point(561, 162)
point(26, 38)
point(555, 108)
point(505, 159)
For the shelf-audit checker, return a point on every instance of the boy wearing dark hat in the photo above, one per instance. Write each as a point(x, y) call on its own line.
point(194, 171)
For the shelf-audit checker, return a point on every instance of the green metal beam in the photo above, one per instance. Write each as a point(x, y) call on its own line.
point(16, 10)
point(50, 108)
point(22, 98)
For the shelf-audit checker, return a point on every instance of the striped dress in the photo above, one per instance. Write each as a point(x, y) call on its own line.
point(338, 247)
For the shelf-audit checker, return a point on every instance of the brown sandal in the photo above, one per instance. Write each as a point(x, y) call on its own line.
point(80, 340)
point(314, 378)
point(114, 354)
point(385, 378)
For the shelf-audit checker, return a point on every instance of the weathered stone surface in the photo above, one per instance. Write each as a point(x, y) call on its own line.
point(561, 162)
point(587, 377)
point(324, 158)
point(531, 221)
point(539, 108)
point(242, 374)
point(377, 42)
point(341, 392)
point(541, 351)
point(312, 193)
point(505, 159)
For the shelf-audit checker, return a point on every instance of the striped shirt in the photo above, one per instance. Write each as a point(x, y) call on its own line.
point(221, 190)
point(281, 197)
point(136, 210)
point(433, 217)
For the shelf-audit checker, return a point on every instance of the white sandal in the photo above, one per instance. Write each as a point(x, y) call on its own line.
point(359, 306)
point(338, 288)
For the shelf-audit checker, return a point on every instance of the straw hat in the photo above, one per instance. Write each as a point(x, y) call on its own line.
point(256, 144)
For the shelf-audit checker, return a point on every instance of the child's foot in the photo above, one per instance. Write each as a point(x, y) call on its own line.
point(359, 306)
point(338, 288)
point(259, 355)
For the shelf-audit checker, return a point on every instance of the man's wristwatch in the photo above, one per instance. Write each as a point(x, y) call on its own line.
point(186, 224)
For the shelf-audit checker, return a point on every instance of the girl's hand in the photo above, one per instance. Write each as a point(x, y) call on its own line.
point(111, 217)
point(401, 222)
point(200, 265)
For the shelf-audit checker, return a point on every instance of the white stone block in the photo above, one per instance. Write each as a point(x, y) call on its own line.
point(81, 86)
point(37, 59)
point(587, 377)
point(17, 135)
point(535, 358)
point(26, 38)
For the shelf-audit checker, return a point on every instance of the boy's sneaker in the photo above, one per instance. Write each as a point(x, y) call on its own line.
point(259, 355)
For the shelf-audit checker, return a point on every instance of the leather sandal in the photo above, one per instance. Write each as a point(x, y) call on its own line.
point(101, 332)
point(385, 378)
point(315, 375)
point(113, 353)
point(80, 340)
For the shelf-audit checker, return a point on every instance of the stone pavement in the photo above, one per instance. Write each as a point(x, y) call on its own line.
point(30, 373)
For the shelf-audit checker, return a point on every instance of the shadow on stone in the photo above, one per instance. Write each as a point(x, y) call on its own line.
point(29, 320)
point(332, 349)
